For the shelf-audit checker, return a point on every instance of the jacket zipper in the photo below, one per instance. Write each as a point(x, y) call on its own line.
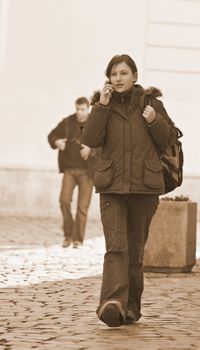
point(122, 98)
point(131, 159)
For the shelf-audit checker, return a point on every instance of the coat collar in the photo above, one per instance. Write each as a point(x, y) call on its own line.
point(138, 94)
point(131, 97)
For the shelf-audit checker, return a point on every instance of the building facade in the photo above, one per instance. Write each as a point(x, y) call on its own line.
point(53, 51)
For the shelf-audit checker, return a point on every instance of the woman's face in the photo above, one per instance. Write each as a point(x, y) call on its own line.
point(122, 77)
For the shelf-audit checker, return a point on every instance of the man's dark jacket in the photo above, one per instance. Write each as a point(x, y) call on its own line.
point(71, 129)
point(129, 162)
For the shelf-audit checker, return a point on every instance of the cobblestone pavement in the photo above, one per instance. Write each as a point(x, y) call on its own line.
point(52, 312)
point(31, 252)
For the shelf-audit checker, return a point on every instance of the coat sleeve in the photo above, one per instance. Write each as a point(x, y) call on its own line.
point(95, 130)
point(160, 130)
point(57, 133)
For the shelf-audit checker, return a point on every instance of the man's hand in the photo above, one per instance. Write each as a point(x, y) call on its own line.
point(61, 144)
point(149, 114)
point(85, 152)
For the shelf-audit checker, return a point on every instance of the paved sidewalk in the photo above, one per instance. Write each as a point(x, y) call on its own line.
point(41, 307)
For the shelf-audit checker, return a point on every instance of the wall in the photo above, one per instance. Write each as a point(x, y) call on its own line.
point(172, 62)
point(54, 51)
point(36, 193)
point(57, 51)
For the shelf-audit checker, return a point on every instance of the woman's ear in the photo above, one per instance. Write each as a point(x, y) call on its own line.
point(135, 77)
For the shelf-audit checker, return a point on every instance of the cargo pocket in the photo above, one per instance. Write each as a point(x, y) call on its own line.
point(104, 174)
point(153, 174)
point(113, 218)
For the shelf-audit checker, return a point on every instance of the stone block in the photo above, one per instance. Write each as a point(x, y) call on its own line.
point(171, 246)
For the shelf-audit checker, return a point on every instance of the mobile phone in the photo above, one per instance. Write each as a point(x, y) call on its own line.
point(108, 82)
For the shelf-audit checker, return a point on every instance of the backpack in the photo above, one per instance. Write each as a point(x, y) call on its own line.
point(171, 157)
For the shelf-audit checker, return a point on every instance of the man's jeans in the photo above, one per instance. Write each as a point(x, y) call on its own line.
point(126, 220)
point(75, 230)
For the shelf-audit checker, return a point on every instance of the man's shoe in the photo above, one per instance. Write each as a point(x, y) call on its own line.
point(77, 244)
point(111, 315)
point(66, 243)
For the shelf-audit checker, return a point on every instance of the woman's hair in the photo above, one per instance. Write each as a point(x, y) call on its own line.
point(119, 59)
point(115, 60)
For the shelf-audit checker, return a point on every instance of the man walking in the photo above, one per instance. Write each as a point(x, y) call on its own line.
point(76, 161)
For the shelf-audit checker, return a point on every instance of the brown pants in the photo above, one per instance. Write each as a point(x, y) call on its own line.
point(75, 230)
point(126, 220)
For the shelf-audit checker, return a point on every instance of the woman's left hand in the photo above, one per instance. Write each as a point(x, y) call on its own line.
point(149, 114)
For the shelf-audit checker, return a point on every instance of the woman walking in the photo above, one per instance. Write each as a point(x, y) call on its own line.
point(129, 179)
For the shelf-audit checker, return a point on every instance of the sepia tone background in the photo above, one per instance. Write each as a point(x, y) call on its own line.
point(53, 51)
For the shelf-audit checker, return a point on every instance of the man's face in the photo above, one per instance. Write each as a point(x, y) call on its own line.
point(82, 112)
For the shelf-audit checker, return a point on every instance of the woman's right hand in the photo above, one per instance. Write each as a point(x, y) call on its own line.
point(106, 94)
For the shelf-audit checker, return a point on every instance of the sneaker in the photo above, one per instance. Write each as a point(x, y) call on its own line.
point(66, 243)
point(111, 315)
point(77, 244)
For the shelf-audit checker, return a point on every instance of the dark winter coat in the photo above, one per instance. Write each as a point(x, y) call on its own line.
point(129, 161)
point(71, 129)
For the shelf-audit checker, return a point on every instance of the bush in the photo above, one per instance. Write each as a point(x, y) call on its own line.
point(177, 199)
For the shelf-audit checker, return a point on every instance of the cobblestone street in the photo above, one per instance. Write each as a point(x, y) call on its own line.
point(49, 295)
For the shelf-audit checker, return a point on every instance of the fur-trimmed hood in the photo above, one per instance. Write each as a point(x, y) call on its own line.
point(151, 92)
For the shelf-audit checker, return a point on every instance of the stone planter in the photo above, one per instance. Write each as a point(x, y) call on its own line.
point(171, 246)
